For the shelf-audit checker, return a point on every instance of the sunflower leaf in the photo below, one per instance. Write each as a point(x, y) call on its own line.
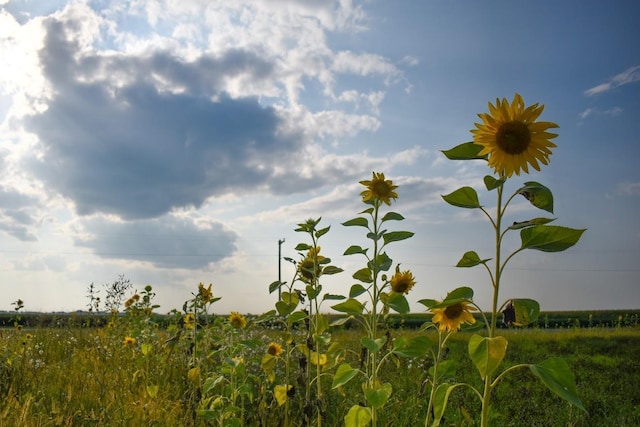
point(379, 396)
point(358, 221)
point(456, 296)
point(465, 197)
point(491, 183)
point(397, 302)
point(343, 375)
point(440, 401)
point(357, 290)
point(549, 238)
point(465, 151)
point(350, 306)
point(358, 416)
point(396, 236)
point(487, 353)
point(531, 222)
point(538, 195)
point(471, 259)
point(355, 249)
point(392, 216)
point(363, 275)
point(526, 311)
point(556, 375)
point(412, 347)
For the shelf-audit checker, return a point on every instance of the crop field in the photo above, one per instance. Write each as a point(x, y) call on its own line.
point(135, 371)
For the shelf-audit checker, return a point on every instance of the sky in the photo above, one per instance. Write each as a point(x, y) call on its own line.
point(175, 142)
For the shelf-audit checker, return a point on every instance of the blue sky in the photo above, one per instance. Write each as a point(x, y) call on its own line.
point(175, 142)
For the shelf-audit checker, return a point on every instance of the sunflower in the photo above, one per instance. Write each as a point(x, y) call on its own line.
point(379, 189)
point(189, 321)
point(205, 293)
point(237, 320)
point(129, 341)
point(402, 281)
point(274, 349)
point(306, 266)
point(511, 137)
point(452, 317)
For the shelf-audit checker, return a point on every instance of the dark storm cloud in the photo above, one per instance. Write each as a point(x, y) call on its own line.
point(167, 242)
point(115, 142)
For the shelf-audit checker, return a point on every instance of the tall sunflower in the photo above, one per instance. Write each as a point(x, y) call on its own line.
point(379, 188)
point(512, 138)
point(452, 317)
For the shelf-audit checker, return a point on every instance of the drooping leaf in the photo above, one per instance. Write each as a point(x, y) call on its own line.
point(556, 375)
point(350, 306)
point(465, 151)
point(549, 238)
point(396, 236)
point(538, 195)
point(355, 249)
point(358, 416)
point(429, 302)
point(382, 262)
point(343, 375)
point(471, 259)
point(331, 269)
point(302, 247)
point(280, 393)
point(313, 291)
point(531, 222)
point(297, 317)
point(412, 347)
point(440, 402)
point(487, 353)
point(465, 197)
point(333, 297)
point(389, 216)
point(284, 309)
point(378, 397)
point(358, 221)
point(492, 183)
point(397, 302)
point(274, 286)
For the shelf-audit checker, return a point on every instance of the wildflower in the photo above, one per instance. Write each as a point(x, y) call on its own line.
point(237, 320)
point(111, 324)
point(309, 267)
point(129, 341)
point(452, 317)
point(274, 349)
point(512, 138)
point(205, 293)
point(189, 321)
point(379, 189)
point(28, 336)
point(402, 281)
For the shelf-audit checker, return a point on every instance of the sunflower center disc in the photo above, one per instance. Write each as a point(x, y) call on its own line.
point(453, 311)
point(513, 137)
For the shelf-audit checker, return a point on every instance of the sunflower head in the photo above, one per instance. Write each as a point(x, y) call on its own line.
point(512, 138)
point(129, 341)
point(309, 268)
point(402, 281)
point(452, 317)
point(189, 321)
point(274, 349)
point(237, 320)
point(379, 189)
point(205, 293)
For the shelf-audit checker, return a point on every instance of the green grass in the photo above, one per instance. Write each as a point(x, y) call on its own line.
point(87, 376)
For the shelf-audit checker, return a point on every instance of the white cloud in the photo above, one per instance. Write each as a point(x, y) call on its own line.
point(612, 112)
point(630, 75)
point(629, 189)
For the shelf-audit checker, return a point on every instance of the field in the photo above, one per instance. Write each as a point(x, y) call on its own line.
point(137, 371)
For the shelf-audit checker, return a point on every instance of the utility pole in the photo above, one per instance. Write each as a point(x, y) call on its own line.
point(280, 242)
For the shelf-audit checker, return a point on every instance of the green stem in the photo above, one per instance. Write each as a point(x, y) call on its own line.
point(374, 310)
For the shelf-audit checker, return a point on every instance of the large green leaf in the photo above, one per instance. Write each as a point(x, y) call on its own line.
point(356, 290)
point(487, 353)
point(355, 249)
point(440, 402)
point(538, 195)
point(274, 286)
point(396, 236)
point(392, 216)
point(363, 275)
point(302, 247)
point(372, 345)
point(549, 238)
point(331, 269)
point(343, 375)
point(350, 306)
point(456, 296)
point(322, 232)
point(358, 416)
point(465, 197)
point(471, 259)
point(555, 374)
point(358, 221)
point(492, 183)
point(397, 302)
point(284, 309)
point(465, 151)
point(412, 347)
point(378, 397)
point(526, 311)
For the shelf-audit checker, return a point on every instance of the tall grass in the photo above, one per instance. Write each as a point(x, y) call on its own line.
point(89, 376)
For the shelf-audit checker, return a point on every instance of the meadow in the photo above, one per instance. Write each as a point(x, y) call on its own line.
point(139, 371)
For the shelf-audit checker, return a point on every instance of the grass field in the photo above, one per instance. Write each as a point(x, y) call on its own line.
point(136, 373)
